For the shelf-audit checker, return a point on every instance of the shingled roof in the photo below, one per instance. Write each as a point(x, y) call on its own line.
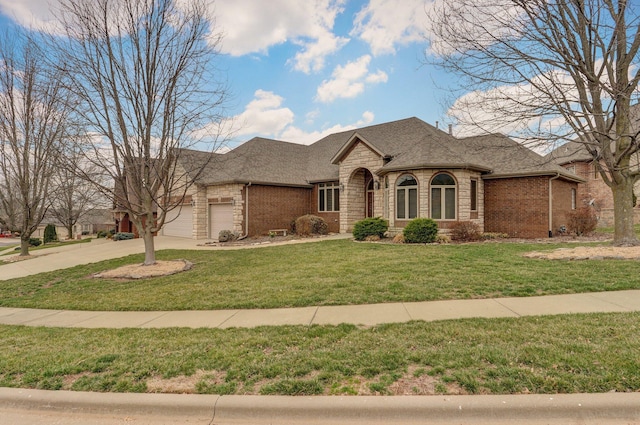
point(406, 144)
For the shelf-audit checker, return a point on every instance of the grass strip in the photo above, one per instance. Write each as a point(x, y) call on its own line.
point(552, 354)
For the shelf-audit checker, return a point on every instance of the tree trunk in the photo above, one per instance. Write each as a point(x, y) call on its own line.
point(24, 246)
point(624, 233)
point(149, 248)
point(70, 232)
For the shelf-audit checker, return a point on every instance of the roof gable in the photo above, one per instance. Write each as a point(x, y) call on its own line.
point(346, 148)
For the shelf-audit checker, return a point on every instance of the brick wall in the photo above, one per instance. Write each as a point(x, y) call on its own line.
point(597, 190)
point(517, 206)
point(561, 193)
point(594, 188)
point(273, 207)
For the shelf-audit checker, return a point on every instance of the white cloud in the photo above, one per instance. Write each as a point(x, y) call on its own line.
point(378, 77)
point(36, 14)
point(251, 26)
point(297, 135)
point(263, 115)
point(312, 58)
point(515, 109)
point(384, 24)
point(348, 81)
point(266, 117)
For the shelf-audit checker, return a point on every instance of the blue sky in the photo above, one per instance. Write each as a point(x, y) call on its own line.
point(300, 69)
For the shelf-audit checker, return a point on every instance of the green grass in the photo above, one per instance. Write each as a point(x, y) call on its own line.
point(611, 229)
point(324, 273)
point(561, 354)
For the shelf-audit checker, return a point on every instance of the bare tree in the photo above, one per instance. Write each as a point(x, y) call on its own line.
point(143, 70)
point(73, 192)
point(546, 72)
point(33, 112)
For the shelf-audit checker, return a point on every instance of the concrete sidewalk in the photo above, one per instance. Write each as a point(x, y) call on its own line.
point(367, 315)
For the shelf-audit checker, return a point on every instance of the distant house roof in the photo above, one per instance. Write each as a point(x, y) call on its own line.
point(576, 151)
point(569, 152)
point(405, 144)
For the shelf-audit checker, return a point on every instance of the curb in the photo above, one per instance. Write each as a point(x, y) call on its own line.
point(610, 408)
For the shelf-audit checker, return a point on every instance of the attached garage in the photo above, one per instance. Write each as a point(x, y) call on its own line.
point(179, 222)
point(220, 218)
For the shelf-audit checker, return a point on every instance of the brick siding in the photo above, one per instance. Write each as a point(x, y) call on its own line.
point(562, 203)
point(517, 206)
point(273, 207)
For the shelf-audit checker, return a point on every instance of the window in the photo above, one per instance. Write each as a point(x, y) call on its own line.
point(328, 197)
point(474, 195)
point(406, 198)
point(573, 199)
point(443, 197)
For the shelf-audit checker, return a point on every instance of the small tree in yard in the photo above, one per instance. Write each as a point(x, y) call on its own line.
point(50, 234)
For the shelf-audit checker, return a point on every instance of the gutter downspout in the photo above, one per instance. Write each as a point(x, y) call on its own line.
point(551, 203)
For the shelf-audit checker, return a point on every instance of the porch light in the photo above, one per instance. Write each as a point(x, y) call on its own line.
point(376, 185)
point(341, 187)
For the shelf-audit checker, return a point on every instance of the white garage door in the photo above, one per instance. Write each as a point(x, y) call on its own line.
point(220, 218)
point(181, 222)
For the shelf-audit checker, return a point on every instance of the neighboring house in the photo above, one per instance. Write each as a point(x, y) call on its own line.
point(89, 223)
point(574, 157)
point(398, 170)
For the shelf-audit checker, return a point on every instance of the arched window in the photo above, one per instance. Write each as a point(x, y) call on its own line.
point(443, 197)
point(406, 197)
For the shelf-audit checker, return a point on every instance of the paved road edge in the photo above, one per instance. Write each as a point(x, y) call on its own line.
point(586, 408)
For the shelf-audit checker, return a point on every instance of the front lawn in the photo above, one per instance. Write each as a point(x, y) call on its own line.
point(553, 354)
point(324, 273)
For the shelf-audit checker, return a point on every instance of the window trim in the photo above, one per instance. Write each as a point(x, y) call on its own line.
point(443, 191)
point(326, 190)
point(406, 189)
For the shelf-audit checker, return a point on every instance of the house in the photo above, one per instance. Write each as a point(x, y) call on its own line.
point(89, 223)
point(398, 170)
point(574, 157)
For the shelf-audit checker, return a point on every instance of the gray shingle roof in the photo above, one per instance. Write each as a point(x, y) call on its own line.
point(408, 144)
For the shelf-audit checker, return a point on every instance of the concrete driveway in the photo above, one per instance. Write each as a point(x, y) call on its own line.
point(63, 257)
point(105, 249)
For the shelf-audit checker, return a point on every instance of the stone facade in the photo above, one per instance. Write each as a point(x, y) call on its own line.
point(352, 177)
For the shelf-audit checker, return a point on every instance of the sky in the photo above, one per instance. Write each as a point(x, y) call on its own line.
point(298, 70)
